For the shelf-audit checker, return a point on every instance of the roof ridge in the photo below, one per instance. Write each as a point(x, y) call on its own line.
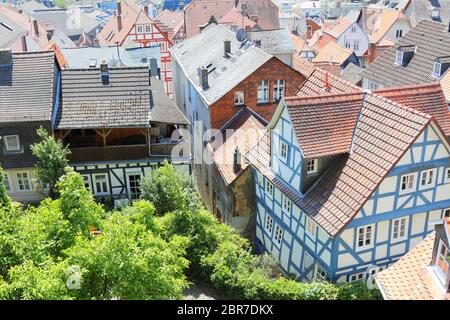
point(410, 86)
point(335, 77)
point(326, 96)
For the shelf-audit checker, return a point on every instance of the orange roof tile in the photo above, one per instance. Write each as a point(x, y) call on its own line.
point(445, 84)
point(248, 129)
point(306, 68)
point(333, 53)
point(385, 21)
point(53, 46)
point(319, 40)
point(235, 18)
point(337, 28)
point(409, 278)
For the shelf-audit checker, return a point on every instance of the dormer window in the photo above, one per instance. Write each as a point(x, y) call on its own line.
point(311, 166)
point(404, 55)
point(437, 69)
point(12, 143)
point(440, 66)
point(442, 261)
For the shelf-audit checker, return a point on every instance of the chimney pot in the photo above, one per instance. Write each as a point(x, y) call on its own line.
point(258, 43)
point(146, 10)
point(226, 47)
point(236, 160)
point(119, 8)
point(36, 27)
point(119, 22)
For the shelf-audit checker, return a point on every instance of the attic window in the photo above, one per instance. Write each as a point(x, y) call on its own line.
point(440, 66)
point(404, 55)
point(399, 58)
point(437, 69)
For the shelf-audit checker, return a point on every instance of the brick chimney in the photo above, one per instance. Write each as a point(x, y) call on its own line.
point(226, 47)
point(119, 22)
point(203, 77)
point(146, 10)
point(119, 8)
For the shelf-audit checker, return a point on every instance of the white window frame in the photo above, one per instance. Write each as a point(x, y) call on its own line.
point(7, 145)
point(408, 183)
point(87, 181)
point(24, 181)
point(441, 274)
point(148, 28)
point(356, 45)
point(399, 226)
point(103, 192)
point(428, 178)
point(399, 57)
point(447, 175)
point(278, 89)
point(7, 182)
point(437, 67)
point(129, 174)
point(348, 44)
point(139, 29)
point(263, 91)
point(268, 225)
point(278, 234)
point(284, 148)
point(269, 188)
point(311, 166)
point(320, 274)
point(365, 236)
point(356, 277)
point(353, 30)
point(311, 227)
point(239, 98)
point(287, 204)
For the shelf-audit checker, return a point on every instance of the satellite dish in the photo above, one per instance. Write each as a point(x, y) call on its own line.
point(241, 35)
point(244, 7)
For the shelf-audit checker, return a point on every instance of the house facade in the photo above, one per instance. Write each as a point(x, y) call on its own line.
point(355, 200)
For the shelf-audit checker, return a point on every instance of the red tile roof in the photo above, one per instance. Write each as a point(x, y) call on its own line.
point(409, 278)
point(235, 18)
point(333, 53)
point(306, 68)
point(337, 28)
point(319, 40)
point(427, 98)
point(382, 134)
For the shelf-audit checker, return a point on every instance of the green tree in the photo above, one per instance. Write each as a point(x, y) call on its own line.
point(5, 201)
point(169, 189)
point(127, 261)
point(60, 3)
point(51, 160)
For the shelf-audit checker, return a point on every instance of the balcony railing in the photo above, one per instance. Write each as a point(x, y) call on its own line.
point(166, 146)
point(109, 153)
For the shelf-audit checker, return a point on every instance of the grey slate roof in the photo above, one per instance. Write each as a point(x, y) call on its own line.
point(26, 88)
point(432, 40)
point(88, 103)
point(352, 73)
point(163, 109)
point(225, 73)
point(10, 31)
point(274, 41)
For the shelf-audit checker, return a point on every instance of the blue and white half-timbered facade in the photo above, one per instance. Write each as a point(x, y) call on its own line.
point(315, 215)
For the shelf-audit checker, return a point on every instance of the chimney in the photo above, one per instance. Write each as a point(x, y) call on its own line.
point(258, 43)
point(104, 71)
point(203, 77)
point(325, 82)
point(36, 27)
point(20, 11)
point(146, 10)
point(5, 57)
point(24, 44)
point(119, 8)
point(226, 48)
point(153, 67)
point(119, 22)
point(50, 34)
point(236, 160)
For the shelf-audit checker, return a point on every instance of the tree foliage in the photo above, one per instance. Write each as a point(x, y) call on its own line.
point(51, 160)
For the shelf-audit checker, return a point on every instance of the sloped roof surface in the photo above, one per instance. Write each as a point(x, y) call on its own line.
point(26, 88)
point(333, 53)
point(273, 41)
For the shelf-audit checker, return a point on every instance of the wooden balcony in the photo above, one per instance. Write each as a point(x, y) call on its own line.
point(109, 153)
point(166, 146)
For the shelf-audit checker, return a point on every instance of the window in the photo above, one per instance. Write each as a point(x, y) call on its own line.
point(23, 181)
point(308, 261)
point(348, 44)
point(321, 274)
point(7, 183)
point(148, 29)
point(12, 143)
point(447, 213)
point(239, 98)
point(269, 187)
point(263, 91)
point(356, 45)
point(398, 33)
point(442, 260)
point(311, 227)
point(399, 57)
point(101, 184)
point(139, 29)
point(436, 69)
point(427, 178)
point(357, 277)
point(399, 229)
point(284, 151)
point(408, 182)
point(86, 181)
point(287, 204)
point(353, 29)
point(134, 183)
point(364, 236)
point(311, 166)
point(278, 90)
point(269, 224)
point(373, 85)
point(278, 234)
point(447, 175)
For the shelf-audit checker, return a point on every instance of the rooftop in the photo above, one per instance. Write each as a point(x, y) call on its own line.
point(224, 72)
point(26, 87)
point(337, 28)
point(333, 53)
point(234, 17)
point(274, 41)
point(432, 40)
point(385, 21)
